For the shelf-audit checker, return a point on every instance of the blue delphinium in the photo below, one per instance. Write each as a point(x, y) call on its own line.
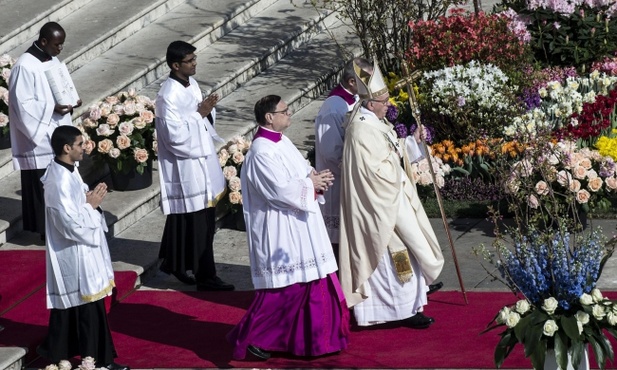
point(553, 266)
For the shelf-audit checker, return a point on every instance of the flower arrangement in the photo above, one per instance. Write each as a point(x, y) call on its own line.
point(87, 363)
point(6, 62)
point(561, 102)
point(474, 97)
point(119, 131)
point(459, 39)
point(231, 158)
point(421, 171)
point(562, 310)
point(556, 179)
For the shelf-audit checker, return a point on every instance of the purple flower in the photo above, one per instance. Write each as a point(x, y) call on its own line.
point(401, 130)
point(430, 132)
point(460, 101)
point(392, 113)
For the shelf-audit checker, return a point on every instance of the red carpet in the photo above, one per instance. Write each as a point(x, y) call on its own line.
point(23, 272)
point(187, 330)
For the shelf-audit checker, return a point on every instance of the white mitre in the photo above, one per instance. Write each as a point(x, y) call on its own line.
point(370, 85)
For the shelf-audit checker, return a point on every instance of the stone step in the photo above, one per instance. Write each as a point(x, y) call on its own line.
point(21, 20)
point(11, 358)
point(100, 25)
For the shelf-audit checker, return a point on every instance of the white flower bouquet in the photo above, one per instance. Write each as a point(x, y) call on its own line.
point(231, 158)
point(6, 62)
point(120, 131)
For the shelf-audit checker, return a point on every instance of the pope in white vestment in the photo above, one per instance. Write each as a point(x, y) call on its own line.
point(388, 249)
point(299, 306)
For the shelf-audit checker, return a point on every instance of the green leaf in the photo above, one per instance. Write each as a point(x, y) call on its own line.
point(570, 327)
point(532, 337)
point(520, 329)
point(561, 351)
point(577, 349)
point(539, 355)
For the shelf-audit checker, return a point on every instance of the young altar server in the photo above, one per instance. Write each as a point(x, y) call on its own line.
point(191, 178)
point(34, 114)
point(298, 306)
point(79, 271)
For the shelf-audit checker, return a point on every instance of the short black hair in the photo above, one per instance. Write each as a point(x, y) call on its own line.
point(177, 50)
point(49, 29)
point(265, 105)
point(62, 136)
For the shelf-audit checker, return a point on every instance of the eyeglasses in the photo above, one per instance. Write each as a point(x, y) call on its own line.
point(384, 101)
point(192, 60)
point(286, 112)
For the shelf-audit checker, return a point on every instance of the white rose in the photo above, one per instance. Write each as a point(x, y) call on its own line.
point(64, 365)
point(5, 60)
point(582, 317)
point(4, 119)
point(88, 363)
point(550, 328)
point(513, 319)
point(229, 172)
point(6, 73)
point(596, 294)
point(235, 184)
point(126, 128)
point(104, 130)
point(522, 306)
point(579, 326)
point(503, 315)
point(586, 299)
point(51, 367)
point(612, 318)
point(598, 311)
point(533, 201)
point(550, 305)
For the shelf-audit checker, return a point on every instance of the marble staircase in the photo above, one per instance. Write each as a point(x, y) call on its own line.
point(245, 48)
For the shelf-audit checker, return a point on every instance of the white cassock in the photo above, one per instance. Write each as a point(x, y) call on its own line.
point(79, 267)
point(31, 113)
point(381, 212)
point(329, 135)
point(191, 177)
point(287, 238)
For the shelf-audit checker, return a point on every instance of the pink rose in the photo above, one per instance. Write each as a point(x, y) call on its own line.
point(123, 142)
point(147, 116)
point(583, 196)
point(585, 163)
point(141, 155)
point(112, 120)
point(4, 120)
point(5, 60)
point(533, 201)
point(129, 108)
point(126, 128)
point(114, 153)
point(95, 113)
point(595, 184)
point(89, 146)
point(5, 97)
point(88, 123)
point(6, 73)
point(138, 122)
point(238, 157)
point(119, 109)
point(104, 130)
point(425, 179)
point(232, 149)
point(579, 172)
point(542, 188)
point(235, 197)
point(229, 172)
point(234, 184)
point(611, 183)
point(112, 100)
point(105, 146)
point(132, 92)
point(574, 186)
point(564, 178)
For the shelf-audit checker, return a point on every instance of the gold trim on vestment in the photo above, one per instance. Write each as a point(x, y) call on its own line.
point(402, 265)
point(102, 294)
point(213, 202)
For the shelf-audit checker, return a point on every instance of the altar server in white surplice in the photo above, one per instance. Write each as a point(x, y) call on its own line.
point(388, 249)
point(191, 178)
point(79, 271)
point(298, 307)
point(34, 115)
point(329, 135)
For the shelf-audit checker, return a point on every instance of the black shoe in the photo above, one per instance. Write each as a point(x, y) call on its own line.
point(115, 366)
point(434, 287)
point(418, 321)
point(185, 278)
point(258, 352)
point(214, 284)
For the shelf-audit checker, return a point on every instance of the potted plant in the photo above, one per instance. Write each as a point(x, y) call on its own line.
point(231, 158)
point(6, 62)
point(120, 132)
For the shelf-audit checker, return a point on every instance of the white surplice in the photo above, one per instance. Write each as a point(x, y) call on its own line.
point(329, 135)
point(381, 210)
point(287, 238)
point(190, 174)
point(31, 113)
point(79, 267)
